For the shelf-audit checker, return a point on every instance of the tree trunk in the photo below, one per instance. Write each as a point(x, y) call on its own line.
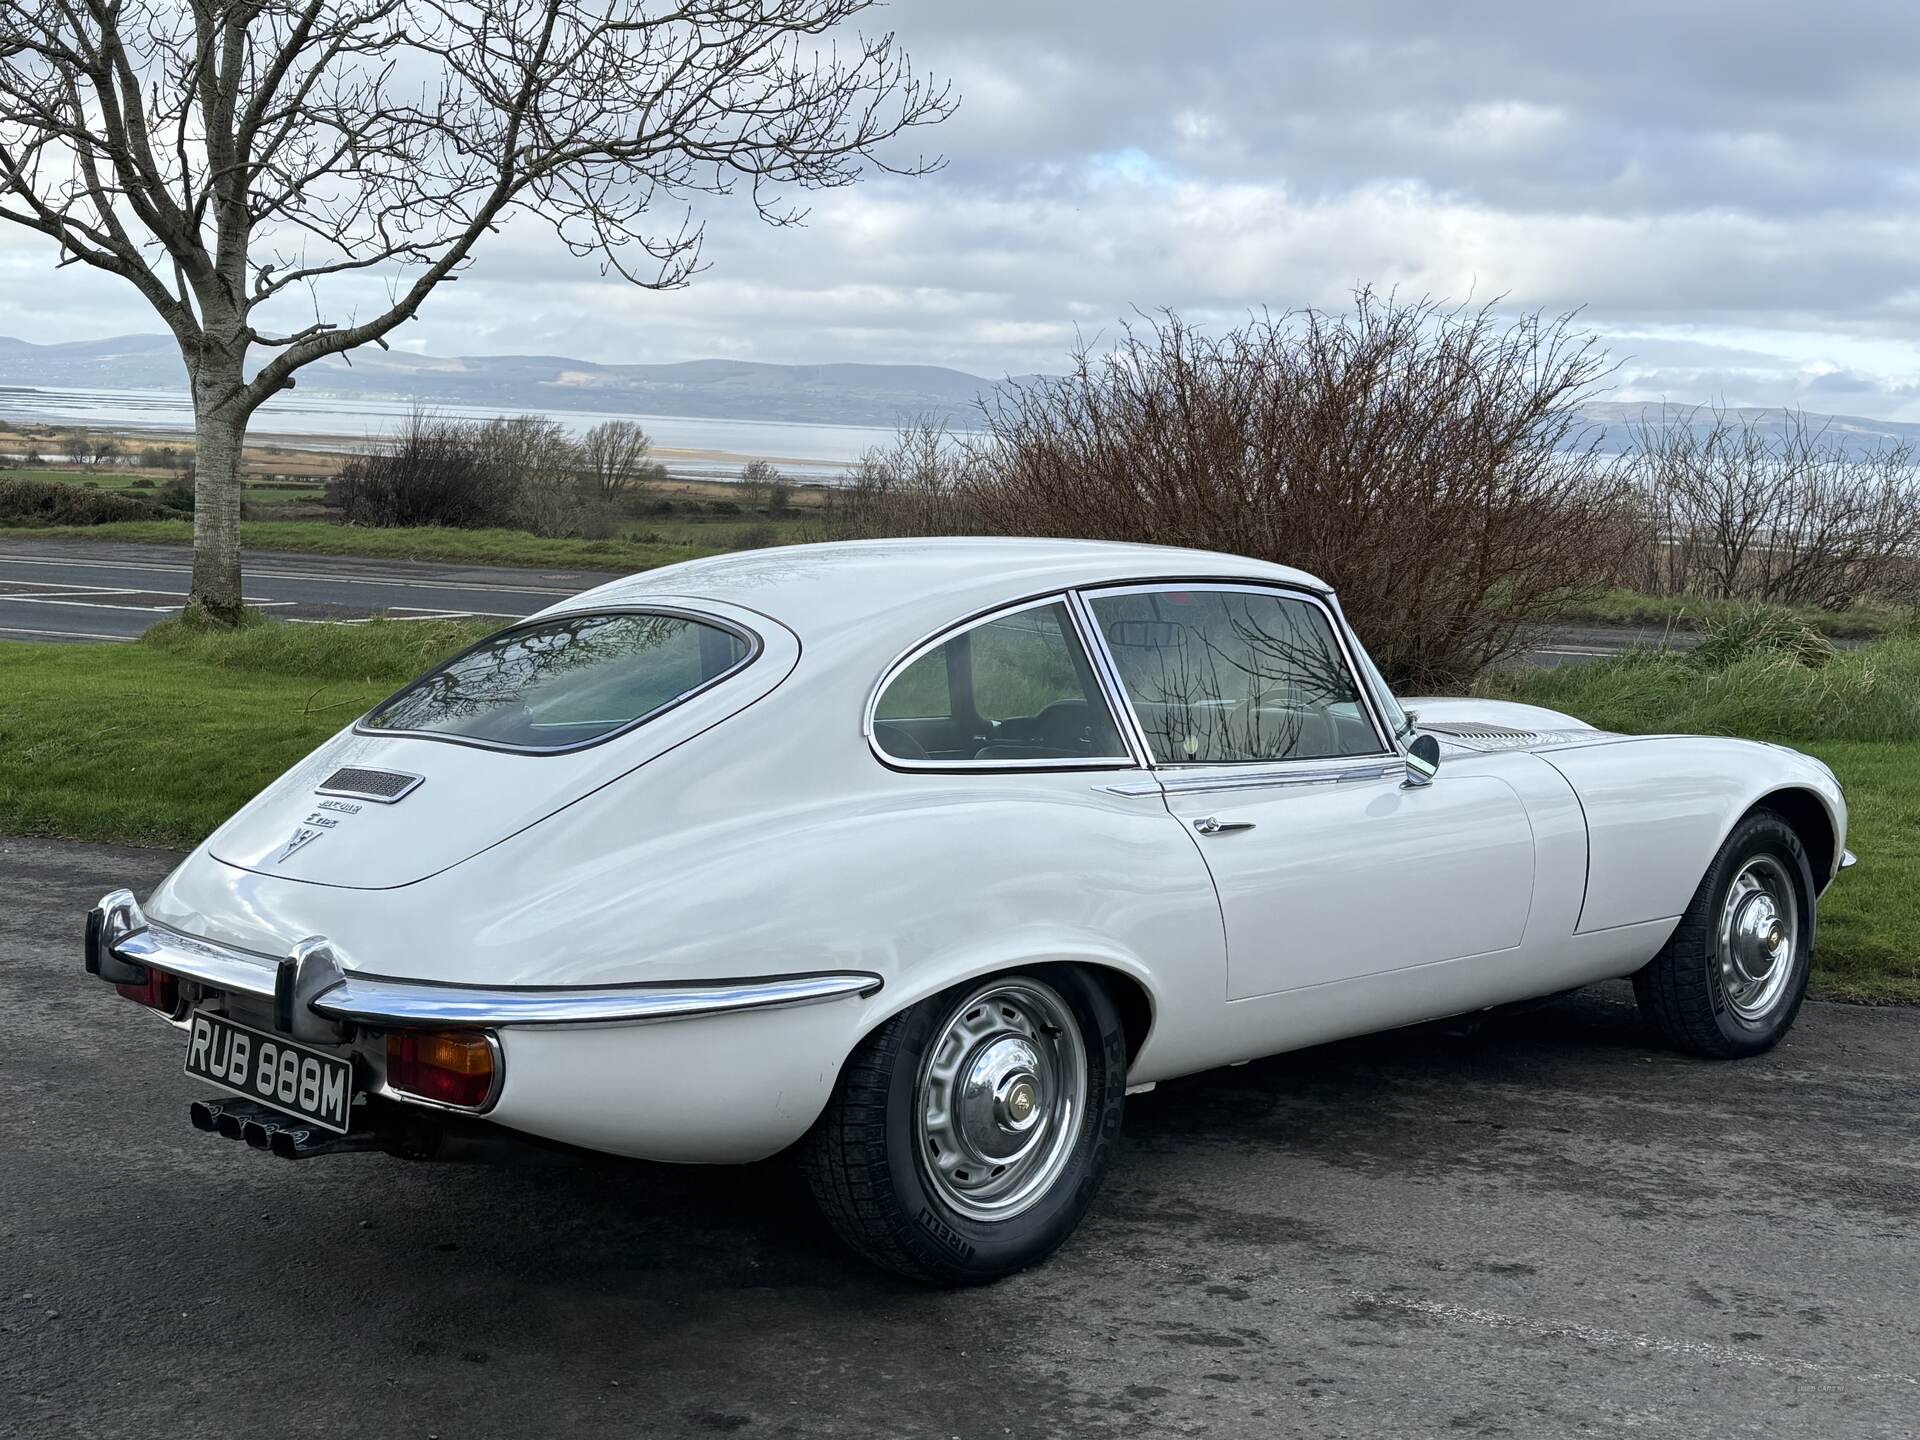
point(219, 433)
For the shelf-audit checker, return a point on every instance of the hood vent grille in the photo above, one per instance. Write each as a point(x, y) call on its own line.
point(384, 787)
point(1480, 736)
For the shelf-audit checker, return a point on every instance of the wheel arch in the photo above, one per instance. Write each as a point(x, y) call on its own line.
point(1126, 985)
point(1811, 820)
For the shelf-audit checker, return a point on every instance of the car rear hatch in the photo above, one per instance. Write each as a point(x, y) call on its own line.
point(376, 809)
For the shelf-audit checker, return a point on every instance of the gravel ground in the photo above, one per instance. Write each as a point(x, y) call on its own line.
point(1541, 1227)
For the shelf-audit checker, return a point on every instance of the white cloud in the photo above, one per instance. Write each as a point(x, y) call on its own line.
point(1732, 180)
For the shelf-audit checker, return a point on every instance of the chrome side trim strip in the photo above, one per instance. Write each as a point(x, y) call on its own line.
point(1848, 860)
point(383, 1000)
point(1177, 784)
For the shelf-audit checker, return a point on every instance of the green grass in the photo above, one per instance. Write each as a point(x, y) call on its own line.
point(470, 547)
point(1687, 612)
point(1859, 712)
point(157, 742)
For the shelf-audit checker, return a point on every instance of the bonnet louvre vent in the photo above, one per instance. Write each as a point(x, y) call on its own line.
point(383, 786)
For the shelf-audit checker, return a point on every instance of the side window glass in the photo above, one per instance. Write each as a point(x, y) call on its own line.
point(1013, 689)
point(1228, 676)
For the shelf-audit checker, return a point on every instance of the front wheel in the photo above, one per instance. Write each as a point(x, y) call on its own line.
point(967, 1136)
point(1730, 980)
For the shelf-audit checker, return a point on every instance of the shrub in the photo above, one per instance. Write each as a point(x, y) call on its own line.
point(514, 472)
point(754, 537)
point(1428, 462)
point(48, 502)
point(1764, 630)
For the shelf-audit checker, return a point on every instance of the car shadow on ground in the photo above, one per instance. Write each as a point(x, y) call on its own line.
point(1422, 1097)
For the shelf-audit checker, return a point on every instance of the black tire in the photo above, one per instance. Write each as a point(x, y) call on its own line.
point(863, 1158)
point(1682, 992)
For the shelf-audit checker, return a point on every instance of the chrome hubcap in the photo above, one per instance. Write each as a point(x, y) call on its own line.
point(1759, 928)
point(1001, 1100)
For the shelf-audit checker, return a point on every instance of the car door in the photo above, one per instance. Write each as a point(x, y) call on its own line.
point(1327, 868)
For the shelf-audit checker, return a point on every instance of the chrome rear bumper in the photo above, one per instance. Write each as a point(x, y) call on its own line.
point(312, 993)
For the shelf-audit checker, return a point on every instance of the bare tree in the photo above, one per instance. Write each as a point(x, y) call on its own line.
point(756, 484)
point(259, 170)
point(1802, 516)
point(614, 458)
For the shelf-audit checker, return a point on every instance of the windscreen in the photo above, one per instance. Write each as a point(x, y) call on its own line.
point(569, 681)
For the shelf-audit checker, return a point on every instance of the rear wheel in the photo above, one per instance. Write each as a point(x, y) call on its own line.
point(967, 1136)
point(1730, 980)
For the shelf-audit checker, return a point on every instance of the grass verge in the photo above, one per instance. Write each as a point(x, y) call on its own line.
point(157, 742)
point(462, 547)
point(1688, 612)
point(1859, 711)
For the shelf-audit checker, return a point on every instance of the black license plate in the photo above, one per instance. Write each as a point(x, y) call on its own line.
point(310, 1084)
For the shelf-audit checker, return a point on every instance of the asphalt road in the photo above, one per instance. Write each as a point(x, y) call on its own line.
point(80, 590)
point(1542, 1228)
point(83, 591)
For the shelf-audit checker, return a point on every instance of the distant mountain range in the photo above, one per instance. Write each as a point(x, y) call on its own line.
point(883, 395)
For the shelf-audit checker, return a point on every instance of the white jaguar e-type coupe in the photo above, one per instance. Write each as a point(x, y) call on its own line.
point(919, 855)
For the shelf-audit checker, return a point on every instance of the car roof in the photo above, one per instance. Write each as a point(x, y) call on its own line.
point(919, 585)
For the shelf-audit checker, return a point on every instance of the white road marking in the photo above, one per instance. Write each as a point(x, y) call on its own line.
point(403, 581)
point(107, 605)
point(63, 634)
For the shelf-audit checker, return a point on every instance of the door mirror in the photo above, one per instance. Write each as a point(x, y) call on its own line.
point(1423, 759)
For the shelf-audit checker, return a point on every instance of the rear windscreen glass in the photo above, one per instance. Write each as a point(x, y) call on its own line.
point(566, 681)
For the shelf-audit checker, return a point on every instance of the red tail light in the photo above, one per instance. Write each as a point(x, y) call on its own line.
point(451, 1067)
point(159, 992)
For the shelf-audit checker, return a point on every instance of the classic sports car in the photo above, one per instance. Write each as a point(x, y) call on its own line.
point(920, 855)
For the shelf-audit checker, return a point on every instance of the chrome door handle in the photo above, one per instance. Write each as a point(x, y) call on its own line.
point(1211, 826)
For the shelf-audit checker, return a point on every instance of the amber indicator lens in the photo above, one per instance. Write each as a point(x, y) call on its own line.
point(453, 1067)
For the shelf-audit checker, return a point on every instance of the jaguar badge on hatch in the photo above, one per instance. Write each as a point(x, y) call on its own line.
point(301, 835)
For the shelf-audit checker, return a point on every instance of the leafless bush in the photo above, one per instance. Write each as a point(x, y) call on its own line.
point(1426, 460)
point(518, 471)
point(1735, 511)
point(920, 484)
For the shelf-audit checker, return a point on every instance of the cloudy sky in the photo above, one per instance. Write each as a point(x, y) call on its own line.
point(1731, 191)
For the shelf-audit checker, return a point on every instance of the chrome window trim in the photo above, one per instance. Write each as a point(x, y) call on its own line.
point(1390, 749)
point(755, 646)
point(1367, 674)
point(1132, 760)
point(1101, 659)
